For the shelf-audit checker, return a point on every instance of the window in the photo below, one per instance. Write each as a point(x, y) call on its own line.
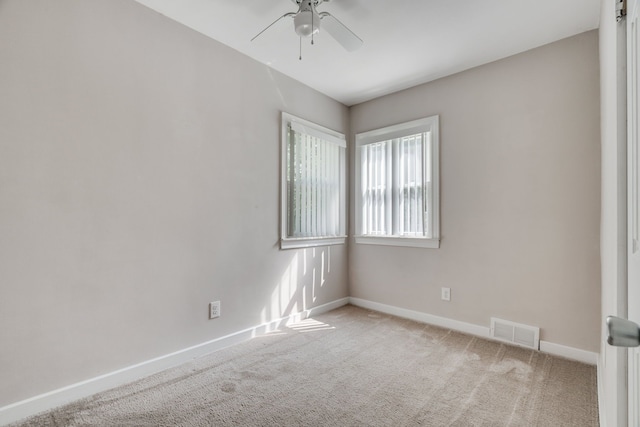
point(313, 185)
point(397, 194)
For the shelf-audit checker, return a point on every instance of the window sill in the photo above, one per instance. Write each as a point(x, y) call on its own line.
point(411, 242)
point(293, 243)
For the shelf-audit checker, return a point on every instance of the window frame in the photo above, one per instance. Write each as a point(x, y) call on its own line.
point(427, 124)
point(286, 241)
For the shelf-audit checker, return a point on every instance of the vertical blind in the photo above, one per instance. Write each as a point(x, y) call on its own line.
point(395, 183)
point(313, 183)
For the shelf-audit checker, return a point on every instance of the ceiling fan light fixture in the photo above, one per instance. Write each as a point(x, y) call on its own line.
point(306, 23)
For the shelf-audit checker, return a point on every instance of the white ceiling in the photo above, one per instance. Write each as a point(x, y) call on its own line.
point(406, 42)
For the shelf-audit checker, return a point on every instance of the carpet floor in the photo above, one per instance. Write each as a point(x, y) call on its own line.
point(351, 367)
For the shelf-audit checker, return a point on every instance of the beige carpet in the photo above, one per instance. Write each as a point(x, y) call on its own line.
point(352, 367)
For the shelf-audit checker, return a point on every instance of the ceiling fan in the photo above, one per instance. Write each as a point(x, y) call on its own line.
point(307, 22)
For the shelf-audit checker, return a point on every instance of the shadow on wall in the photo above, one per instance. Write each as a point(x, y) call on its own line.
point(298, 288)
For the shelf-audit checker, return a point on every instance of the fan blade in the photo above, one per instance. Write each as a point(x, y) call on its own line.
point(340, 32)
point(273, 23)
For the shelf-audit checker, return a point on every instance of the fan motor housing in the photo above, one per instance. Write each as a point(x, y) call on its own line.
point(306, 23)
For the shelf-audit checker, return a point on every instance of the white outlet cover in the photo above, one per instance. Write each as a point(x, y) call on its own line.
point(446, 294)
point(214, 309)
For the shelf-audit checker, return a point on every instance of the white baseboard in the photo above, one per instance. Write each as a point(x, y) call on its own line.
point(572, 353)
point(472, 329)
point(25, 408)
point(419, 316)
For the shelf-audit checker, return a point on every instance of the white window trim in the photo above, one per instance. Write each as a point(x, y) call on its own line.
point(311, 128)
point(428, 124)
point(411, 242)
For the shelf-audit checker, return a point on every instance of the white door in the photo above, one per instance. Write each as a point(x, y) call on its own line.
point(633, 194)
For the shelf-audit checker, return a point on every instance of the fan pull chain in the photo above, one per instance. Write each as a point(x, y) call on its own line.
point(312, 23)
point(300, 58)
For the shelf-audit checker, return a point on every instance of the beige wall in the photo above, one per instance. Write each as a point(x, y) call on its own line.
point(520, 196)
point(139, 180)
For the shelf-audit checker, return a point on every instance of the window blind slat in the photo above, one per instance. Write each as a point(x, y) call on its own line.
point(403, 186)
point(407, 184)
point(428, 191)
point(412, 172)
point(336, 194)
point(369, 189)
point(416, 196)
point(381, 196)
point(395, 207)
point(372, 190)
point(303, 186)
point(290, 182)
point(421, 183)
point(323, 206)
point(309, 185)
point(376, 190)
point(309, 181)
point(314, 188)
point(388, 184)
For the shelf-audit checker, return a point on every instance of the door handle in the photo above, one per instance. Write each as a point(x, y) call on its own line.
point(622, 332)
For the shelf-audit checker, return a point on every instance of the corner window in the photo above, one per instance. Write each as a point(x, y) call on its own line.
point(397, 191)
point(313, 185)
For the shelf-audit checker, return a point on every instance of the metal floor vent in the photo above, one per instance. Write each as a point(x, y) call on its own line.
point(515, 333)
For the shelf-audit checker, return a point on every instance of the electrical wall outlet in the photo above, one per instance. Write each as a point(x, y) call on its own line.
point(446, 294)
point(214, 309)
